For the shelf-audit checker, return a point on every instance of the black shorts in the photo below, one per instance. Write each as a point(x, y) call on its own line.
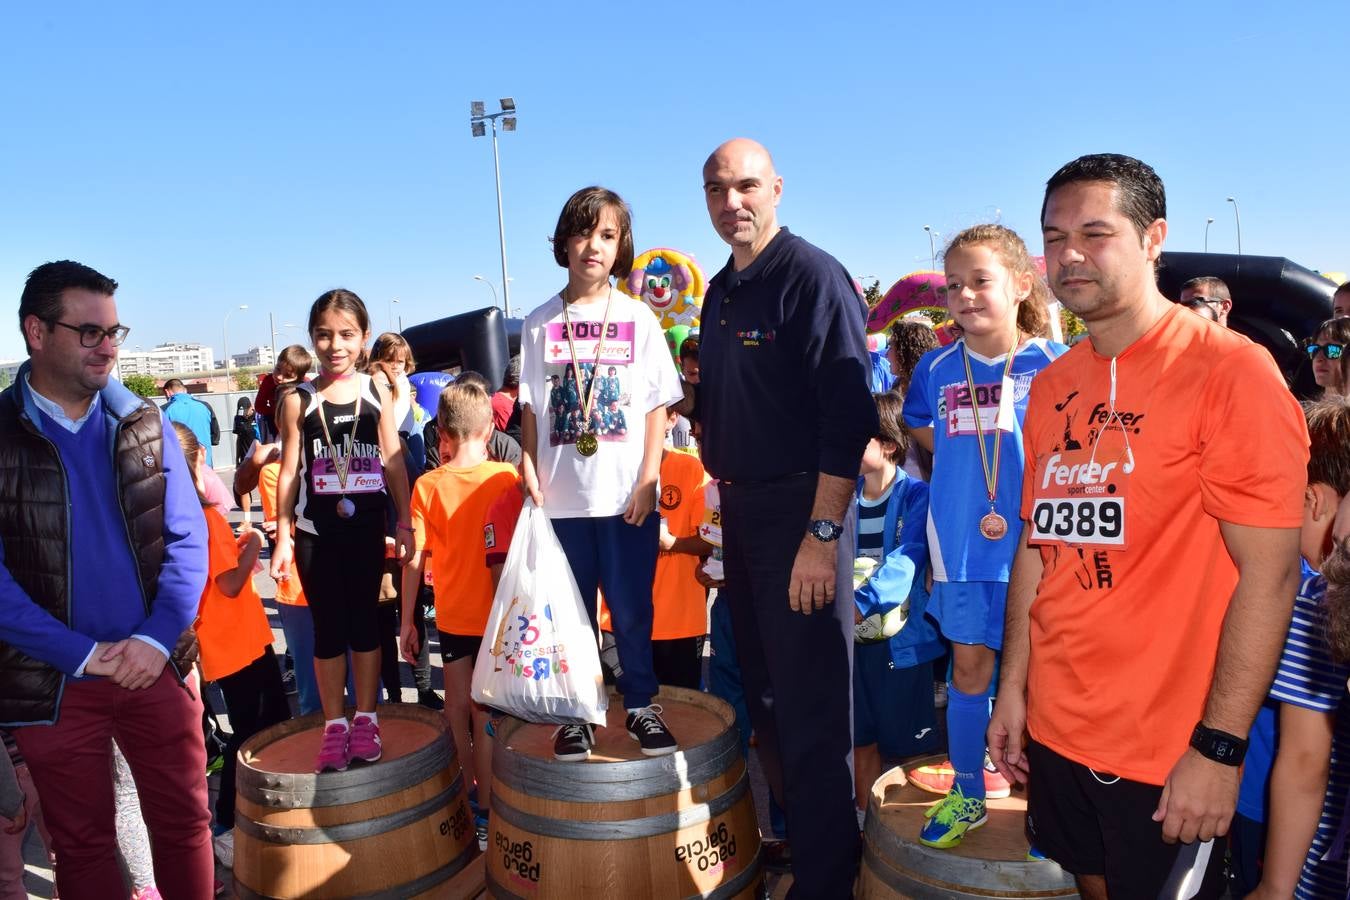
point(459, 646)
point(1095, 823)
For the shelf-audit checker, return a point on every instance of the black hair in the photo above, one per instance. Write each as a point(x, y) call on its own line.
point(42, 291)
point(1139, 191)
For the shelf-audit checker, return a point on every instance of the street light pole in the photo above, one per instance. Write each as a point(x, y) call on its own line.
point(272, 324)
point(390, 304)
point(1238, 219)
point(1208, 222)
point(225, 342)
point(932, 251)
point(477, 117)
point(490, 285)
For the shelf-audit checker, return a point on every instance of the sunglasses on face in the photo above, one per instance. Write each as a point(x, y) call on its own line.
point(1330, 351)
point(1200, 301)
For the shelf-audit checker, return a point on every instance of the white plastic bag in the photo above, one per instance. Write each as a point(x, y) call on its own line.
point(539, 660)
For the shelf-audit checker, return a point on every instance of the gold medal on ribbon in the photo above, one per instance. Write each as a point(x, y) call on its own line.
point(993, 527)
point(587, 443)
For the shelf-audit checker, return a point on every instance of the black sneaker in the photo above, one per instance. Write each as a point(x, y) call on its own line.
point(431, 700)
point(572, 743)
point(645, 727)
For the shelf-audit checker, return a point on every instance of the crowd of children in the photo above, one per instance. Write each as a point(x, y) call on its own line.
point(374, 510)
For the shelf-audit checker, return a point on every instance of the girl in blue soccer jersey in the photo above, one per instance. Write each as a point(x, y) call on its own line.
point(966, 403)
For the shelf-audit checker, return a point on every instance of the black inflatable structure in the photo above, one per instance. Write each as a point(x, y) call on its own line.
point(1276, 302)
point(475, 340)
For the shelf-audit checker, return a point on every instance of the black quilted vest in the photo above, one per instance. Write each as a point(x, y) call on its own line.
point(33, 529)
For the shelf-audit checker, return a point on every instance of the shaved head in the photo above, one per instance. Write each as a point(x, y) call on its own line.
point(742, 191)
point(738, 149)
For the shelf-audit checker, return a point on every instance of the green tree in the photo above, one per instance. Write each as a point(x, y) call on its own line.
point(142, 385)
point(5, 380)
point(873, 294)
point(246, 381)
point(1072, 325)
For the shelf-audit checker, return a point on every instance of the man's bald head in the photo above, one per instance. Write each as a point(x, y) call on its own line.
point(737, 149)
point(742, 191)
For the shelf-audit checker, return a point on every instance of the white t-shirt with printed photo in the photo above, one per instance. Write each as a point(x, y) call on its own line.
point(633, 374)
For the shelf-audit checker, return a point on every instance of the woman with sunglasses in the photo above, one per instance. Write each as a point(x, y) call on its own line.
point(1327, 353)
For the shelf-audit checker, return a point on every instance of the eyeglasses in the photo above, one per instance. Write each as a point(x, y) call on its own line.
point(92, 335)
point(1330, 351)
point(1200, 301)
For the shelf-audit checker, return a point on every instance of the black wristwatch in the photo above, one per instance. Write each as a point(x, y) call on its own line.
point(1219, 746)
point(824, 530)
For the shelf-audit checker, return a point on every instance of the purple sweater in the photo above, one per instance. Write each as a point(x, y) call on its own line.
point(106, 599)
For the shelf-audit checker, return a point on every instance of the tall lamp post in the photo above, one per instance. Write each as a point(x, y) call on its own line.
point(390, 304)
point(492, 287)
point(1208, 222)
point(932, 250)
point(225, 342)
point(1238, 219)
point(477, 119)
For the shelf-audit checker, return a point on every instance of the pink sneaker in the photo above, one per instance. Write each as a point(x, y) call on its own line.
point(364, 744)
point(333, 753)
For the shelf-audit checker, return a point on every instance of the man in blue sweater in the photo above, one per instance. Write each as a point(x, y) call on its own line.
point(102, 563)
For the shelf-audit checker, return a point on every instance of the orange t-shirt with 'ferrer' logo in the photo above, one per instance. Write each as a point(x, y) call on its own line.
point(1124, 503)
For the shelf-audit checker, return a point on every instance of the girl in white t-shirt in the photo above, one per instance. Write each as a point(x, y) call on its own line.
point(596, 378)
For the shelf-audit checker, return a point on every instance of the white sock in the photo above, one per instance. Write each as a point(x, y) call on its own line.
point(374, 719)
point(342, 722)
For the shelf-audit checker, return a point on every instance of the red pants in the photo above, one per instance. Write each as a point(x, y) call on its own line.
point(159, 731)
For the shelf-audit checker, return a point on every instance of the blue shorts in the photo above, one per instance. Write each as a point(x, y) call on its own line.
point(892, 708)
point(970, 612)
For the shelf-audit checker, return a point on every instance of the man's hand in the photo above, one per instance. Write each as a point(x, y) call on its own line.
point(529, 486)
point(812, 582)
point(642, 503)
point(1197, 800)
point(1006, 737)
point(98, 664)
point(409, 642)
point(140, 664)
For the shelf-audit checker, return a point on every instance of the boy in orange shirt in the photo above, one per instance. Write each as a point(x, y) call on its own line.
point(449, 506)
point(235, 641)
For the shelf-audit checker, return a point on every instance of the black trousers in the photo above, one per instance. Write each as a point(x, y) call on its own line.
point(255, 699)
point(797, 677)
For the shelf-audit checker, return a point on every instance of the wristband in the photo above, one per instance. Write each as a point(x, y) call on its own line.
point(407, 528)
point(1219, 746)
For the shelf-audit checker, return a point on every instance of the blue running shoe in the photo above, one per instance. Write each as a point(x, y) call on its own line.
point(950, 818)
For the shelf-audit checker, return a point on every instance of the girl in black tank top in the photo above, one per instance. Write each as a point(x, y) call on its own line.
point(341, 464)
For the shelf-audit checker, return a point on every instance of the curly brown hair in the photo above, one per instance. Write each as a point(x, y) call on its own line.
point(911, 339)
point(1033, 315)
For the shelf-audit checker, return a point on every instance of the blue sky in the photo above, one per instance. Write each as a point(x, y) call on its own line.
point(211, 155)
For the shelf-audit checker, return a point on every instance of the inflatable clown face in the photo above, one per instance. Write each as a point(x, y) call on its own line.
point(670, 283)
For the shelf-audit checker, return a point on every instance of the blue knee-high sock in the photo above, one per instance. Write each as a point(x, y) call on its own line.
point(967, 721)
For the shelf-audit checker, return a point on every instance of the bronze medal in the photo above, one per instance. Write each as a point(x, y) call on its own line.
point(993, 526)
point(587, 444)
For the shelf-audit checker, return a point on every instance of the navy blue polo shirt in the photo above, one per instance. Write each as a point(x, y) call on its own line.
point(784, 383)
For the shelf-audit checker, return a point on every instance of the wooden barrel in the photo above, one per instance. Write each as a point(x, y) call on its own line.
point(990, 862)
point(398, 828)
point(623, 825)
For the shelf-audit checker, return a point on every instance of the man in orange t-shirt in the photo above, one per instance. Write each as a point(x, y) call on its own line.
point(1163, 494)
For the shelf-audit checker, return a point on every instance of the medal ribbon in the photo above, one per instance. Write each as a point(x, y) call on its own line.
point(990, 478)
point(340, 463)
point(599, 351)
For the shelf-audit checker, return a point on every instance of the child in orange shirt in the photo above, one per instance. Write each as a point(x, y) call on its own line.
point(449, 506)
point(234, 637)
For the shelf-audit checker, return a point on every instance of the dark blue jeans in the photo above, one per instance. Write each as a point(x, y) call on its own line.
point(606, 553)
